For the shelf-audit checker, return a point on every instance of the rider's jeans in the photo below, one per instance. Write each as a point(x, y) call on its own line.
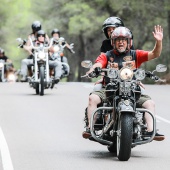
point(56, 64)
point(24, 63)
point(57, 67)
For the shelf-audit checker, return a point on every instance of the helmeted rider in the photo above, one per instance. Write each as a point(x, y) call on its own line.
point(41, 39)
point(36, 26)
point(56, 35)
point(121, 55)
point(108, 26)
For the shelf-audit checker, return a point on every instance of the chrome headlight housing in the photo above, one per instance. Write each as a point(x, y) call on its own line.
point(140, 74)
point(112, 73)
point(41, 55)
point(1, 65)
point(126, 74)
point(56, 48)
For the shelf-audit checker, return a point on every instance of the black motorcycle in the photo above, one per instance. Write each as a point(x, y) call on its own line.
point(118, 123)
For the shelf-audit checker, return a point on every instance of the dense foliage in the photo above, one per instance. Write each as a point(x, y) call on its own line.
point(80, 22)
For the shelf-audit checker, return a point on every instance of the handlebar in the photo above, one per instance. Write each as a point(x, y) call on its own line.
point(23, 42)
point(46, 48)
point(86, 75)
point(154, 77)
point(95, 73)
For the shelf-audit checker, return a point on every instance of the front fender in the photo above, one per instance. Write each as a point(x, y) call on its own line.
point(124, 106)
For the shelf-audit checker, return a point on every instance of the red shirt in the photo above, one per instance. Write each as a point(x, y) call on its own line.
point(141, 57)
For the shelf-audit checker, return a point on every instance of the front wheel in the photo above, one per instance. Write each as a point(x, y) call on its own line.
point(124, 136)
point(42, 83)
point(37, 88)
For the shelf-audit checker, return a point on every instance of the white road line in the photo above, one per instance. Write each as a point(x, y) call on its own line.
point(160, 118)
point(6, 159)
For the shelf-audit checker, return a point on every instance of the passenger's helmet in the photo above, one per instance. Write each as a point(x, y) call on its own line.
point(36, 26)
point(111, 22)
point(122, 32)
point(41, 32)
point(55, 31)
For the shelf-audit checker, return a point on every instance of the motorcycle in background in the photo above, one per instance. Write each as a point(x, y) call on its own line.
point(59, 45)
point(118, 123)
point(41, 79)
point(11, 76)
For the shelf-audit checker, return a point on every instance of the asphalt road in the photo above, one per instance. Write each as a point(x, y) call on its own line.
point(44, 132)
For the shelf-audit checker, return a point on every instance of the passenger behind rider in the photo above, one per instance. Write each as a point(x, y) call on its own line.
point(41, 39)
point(9, 66)
point(121, 39)
point(55, 34)
point(26, 71)
point(108, 26)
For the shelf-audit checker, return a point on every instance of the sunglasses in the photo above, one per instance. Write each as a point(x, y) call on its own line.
point(123, 39)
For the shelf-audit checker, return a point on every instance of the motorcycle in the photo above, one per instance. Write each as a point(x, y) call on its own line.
point(59, 45)
point(11, 76)
point(117, 122)
point(41, 79)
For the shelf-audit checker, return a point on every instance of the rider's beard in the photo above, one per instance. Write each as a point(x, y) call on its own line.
point(121, 49)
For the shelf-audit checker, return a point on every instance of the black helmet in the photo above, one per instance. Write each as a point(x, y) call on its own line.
point(36, 26)
point(55, 31)
point(122, 32)
point(41, 32)
point(111, 22)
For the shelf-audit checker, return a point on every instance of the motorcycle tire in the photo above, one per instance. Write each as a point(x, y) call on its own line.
point(124, 136)
point(37, 88)
point(42, 83)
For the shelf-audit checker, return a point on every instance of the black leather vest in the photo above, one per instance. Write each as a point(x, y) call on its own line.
point(123, 59)
point(118, 61)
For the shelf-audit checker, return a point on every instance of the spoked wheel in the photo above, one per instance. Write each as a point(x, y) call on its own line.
point(124, 136)
point(42, 83)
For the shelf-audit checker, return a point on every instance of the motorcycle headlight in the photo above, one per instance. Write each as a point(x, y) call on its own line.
point(11, 77)
point(112, 73)
point(140, 74)
point(1, 65)
point(41, 55)
point(56, 48)
point(126, 74)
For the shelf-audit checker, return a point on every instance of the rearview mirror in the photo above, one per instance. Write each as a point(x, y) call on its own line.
point(161, 68)
point(86, 64)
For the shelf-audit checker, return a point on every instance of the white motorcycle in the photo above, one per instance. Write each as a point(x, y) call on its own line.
point(41, 79)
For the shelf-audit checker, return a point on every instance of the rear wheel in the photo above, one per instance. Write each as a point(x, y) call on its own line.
point(42, 83)
point(124, 136)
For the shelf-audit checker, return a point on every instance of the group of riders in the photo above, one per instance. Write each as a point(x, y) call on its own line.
point(39, 37)
point(116, 50)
